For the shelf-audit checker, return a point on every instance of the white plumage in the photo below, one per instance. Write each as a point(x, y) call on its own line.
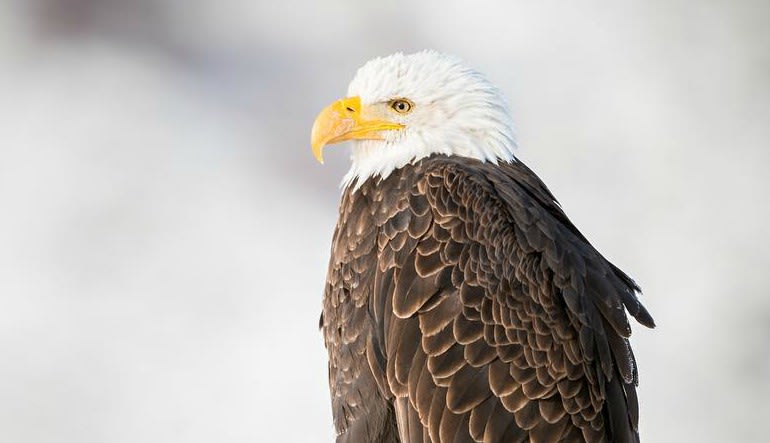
point(457, 111)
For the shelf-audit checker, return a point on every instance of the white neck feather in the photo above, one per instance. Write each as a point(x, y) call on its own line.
point(375, 158)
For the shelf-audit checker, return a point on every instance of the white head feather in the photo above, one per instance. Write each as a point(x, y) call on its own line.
point(456, 112)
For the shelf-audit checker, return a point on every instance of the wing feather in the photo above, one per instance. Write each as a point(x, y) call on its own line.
point(490, 317)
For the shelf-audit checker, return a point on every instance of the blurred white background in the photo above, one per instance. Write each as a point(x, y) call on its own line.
point(164, 229)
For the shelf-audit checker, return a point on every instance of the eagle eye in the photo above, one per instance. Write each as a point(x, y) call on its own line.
point(401, 105)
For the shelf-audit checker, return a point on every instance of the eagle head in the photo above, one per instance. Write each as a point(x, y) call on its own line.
point(405, 107)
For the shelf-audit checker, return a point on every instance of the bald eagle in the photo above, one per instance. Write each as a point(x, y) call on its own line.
point(461, 303)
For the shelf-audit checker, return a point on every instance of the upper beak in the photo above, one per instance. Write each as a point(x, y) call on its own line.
point(345, 120)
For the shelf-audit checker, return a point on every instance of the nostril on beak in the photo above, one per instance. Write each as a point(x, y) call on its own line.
point(349, 109)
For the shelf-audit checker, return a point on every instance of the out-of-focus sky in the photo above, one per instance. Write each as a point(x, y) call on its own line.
point(164, 229)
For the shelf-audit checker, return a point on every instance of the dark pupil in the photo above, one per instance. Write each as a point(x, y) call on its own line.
point(401, 106)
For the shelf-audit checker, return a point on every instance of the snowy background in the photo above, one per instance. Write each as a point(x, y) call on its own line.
point(164, 228)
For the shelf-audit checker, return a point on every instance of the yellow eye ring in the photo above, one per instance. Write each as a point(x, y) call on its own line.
point(401, 105)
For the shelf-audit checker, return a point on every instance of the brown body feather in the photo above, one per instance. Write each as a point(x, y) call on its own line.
point(462, 305)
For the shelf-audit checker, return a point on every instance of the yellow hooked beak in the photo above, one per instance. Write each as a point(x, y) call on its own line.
point(345, 120)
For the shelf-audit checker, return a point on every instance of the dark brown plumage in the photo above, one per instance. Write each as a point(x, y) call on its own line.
point(462, 305)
